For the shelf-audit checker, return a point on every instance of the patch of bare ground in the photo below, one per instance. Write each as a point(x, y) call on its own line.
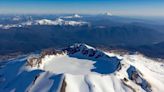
point(63, 87)
point(123, 81)
point(9, 56)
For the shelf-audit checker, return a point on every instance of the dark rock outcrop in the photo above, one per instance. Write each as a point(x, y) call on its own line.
point(136, 77)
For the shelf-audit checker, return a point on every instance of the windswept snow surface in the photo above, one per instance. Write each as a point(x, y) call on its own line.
point(65, 64)
point(82, 68)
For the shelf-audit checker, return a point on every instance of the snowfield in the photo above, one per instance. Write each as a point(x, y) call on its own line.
point(65, 64)
point(82, 68)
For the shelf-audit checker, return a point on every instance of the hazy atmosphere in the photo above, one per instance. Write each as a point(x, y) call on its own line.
point(116, 7)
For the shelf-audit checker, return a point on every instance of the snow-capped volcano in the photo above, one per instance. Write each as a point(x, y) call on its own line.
point(73, 16)
point(77, 16)
point(108, 14)
point(81, 68)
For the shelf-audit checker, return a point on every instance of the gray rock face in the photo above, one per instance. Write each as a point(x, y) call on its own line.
point(136, 77)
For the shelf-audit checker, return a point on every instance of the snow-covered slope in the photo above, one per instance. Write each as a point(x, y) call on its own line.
point(81, 68)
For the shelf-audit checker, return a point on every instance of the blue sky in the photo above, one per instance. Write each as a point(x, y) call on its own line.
point(116, 7)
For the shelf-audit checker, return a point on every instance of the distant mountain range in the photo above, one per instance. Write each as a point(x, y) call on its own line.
point(99, 31)
point(56, 22)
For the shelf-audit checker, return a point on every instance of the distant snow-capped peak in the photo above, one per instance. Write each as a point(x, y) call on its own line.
point(77, 16)
point(73, 16)
point(60, 21)
point(108, 14)
point(16, 18)
point(49, 22)
point(44, 22)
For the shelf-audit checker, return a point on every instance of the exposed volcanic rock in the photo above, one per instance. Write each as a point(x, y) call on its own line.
point(35, 61)
point(51, 51)
point(63, 87)
point(136, 76)
point(85, 50)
